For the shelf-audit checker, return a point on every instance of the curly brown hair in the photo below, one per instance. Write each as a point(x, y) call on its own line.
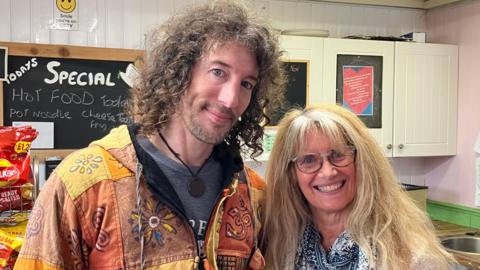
point(179, 43)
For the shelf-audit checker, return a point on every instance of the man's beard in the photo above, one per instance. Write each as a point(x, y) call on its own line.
point(206, 135)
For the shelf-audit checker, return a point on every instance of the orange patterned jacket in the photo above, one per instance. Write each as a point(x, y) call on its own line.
point(97, 207)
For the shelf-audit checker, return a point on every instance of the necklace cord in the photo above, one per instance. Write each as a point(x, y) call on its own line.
point(194, 175)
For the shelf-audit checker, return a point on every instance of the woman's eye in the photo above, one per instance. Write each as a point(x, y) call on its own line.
point(337, 155)
point(308, 159)
point(247, 85)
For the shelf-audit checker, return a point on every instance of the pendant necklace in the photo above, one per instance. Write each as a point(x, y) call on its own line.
point(196, 187)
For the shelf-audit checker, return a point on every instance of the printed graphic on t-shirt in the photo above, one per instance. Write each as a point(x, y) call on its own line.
point(199, 227)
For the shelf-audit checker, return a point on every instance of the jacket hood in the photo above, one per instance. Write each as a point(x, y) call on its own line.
point(122, 144)
point(119, 144)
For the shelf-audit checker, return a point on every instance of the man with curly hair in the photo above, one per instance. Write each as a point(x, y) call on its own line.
point(170, 191)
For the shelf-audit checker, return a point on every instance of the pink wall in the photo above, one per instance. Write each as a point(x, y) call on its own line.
point(452, 179)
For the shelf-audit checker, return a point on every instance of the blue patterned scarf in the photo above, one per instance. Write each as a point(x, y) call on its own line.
point(344, 255)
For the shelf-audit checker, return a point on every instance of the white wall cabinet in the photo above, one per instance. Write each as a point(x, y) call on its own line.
point(425, 99)
point(418, 89)
point(419, 93)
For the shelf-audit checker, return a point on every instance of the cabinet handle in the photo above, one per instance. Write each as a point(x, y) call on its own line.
point(389, 146)
point(400, 146)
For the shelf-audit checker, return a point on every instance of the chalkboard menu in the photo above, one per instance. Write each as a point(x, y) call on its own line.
point(84, 98)
point(296, 91)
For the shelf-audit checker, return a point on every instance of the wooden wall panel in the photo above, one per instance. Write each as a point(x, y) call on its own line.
point(59, 37)
point(133, 24)
point(40, 21)
point(5, 20)
point(164, 10)
point(88, 14)
point(115, 23)
point(124, 23)
point(20, 18)
point(303, 15)
point(341, 20)
point(150, 18)
point(97, 30)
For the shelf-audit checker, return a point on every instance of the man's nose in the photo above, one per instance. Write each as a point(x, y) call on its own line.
point(229, 94)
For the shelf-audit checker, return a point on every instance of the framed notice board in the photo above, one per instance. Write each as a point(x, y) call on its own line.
point(296, 94)
point(78, 89)
point(359, 86)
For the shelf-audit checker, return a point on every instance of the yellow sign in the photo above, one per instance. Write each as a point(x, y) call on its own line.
point(65, 15)
point(66, 6)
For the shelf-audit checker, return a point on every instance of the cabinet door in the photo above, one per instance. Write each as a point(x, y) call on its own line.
point(299, 49)
point(425, 99)
point(310, 50)
point(335, 49)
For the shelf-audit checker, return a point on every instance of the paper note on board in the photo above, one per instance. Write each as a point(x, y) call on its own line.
point(130, 76)
point(44, 139)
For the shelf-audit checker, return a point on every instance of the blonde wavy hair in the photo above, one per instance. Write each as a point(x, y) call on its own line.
point(383, 220)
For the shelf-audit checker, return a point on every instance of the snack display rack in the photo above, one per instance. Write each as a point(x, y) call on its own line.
point(16, 202)
point(19, 199)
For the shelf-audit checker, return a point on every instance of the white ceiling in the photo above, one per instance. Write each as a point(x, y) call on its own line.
point(420, 4)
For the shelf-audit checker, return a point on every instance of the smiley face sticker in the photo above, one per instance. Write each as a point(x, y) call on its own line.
point(66, 6)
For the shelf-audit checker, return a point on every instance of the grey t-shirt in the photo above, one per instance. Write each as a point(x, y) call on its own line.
point(197, 209)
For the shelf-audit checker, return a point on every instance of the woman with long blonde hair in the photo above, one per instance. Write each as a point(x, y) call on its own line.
point(333, 201)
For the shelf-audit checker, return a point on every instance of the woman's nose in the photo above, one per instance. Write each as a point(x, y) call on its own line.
point(327, 169)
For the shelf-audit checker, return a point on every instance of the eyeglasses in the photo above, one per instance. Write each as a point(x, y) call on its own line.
point(313, 162)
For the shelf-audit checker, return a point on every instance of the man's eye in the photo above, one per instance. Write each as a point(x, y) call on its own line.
point(218, 72)
point(247, 85)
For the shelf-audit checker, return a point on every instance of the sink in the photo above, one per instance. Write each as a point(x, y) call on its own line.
point(462, 244)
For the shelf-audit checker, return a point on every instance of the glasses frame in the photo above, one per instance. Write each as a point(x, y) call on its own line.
point(327, 155)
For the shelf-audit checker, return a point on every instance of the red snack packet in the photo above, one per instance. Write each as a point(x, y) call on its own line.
point(11, 261)
point(16, 198)
point(12, 236)
point(14, 155)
